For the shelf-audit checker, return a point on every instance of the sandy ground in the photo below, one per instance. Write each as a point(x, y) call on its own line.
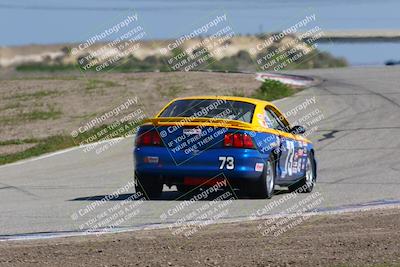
point(38, 105)
point(356, 239)
point(15, 55)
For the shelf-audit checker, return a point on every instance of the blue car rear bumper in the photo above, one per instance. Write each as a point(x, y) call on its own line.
point(161, 162)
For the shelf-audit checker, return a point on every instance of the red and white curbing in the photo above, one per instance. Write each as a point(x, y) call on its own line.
point(289, 79)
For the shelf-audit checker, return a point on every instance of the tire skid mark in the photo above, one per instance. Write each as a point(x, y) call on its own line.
point(7, 186)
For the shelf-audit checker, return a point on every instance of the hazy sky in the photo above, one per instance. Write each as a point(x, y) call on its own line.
point(41, 22)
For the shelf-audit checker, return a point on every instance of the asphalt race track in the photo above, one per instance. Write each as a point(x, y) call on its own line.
point(357, 147)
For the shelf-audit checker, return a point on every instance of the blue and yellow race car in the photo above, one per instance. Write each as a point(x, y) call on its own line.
point(195, 142)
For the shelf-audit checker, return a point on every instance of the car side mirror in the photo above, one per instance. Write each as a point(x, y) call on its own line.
point(298, 129)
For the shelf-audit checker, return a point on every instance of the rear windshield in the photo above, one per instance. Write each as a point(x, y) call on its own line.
point(210, 108)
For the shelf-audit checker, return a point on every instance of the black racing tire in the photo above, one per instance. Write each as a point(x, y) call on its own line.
point(307, 183)
point(150, 187)
point(185, 188)
point(264, 187)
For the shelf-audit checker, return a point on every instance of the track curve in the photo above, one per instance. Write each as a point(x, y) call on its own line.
point(357, 147)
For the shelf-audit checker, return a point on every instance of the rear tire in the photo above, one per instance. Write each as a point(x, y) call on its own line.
point(265, 186)
point(306, 184)
point(185, 188)
point(150, 187)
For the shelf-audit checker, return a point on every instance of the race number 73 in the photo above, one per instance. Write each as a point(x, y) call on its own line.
point(227, 163)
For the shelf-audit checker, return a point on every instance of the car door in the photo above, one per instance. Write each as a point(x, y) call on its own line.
point(287, 165)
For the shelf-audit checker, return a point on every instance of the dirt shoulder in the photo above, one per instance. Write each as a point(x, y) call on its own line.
point(39, 105)
point(357, 239)
point(39, 111)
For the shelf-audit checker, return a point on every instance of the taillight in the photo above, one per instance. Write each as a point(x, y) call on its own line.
point(238, 140)
point(228, 140)
point(247, 141)
point(156, 139)
point(149, 138)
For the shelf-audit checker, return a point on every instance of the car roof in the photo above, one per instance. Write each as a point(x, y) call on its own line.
point(232, 98)
point(260, 104)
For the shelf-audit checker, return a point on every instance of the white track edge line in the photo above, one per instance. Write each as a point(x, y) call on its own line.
point(338, 211)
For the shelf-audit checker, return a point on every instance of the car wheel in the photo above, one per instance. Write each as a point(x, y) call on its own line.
point(149, 187)
point(265, 186)
point(306, 184)
point(184, 188)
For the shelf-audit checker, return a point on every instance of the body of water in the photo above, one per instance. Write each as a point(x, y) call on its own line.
point(55, 21)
